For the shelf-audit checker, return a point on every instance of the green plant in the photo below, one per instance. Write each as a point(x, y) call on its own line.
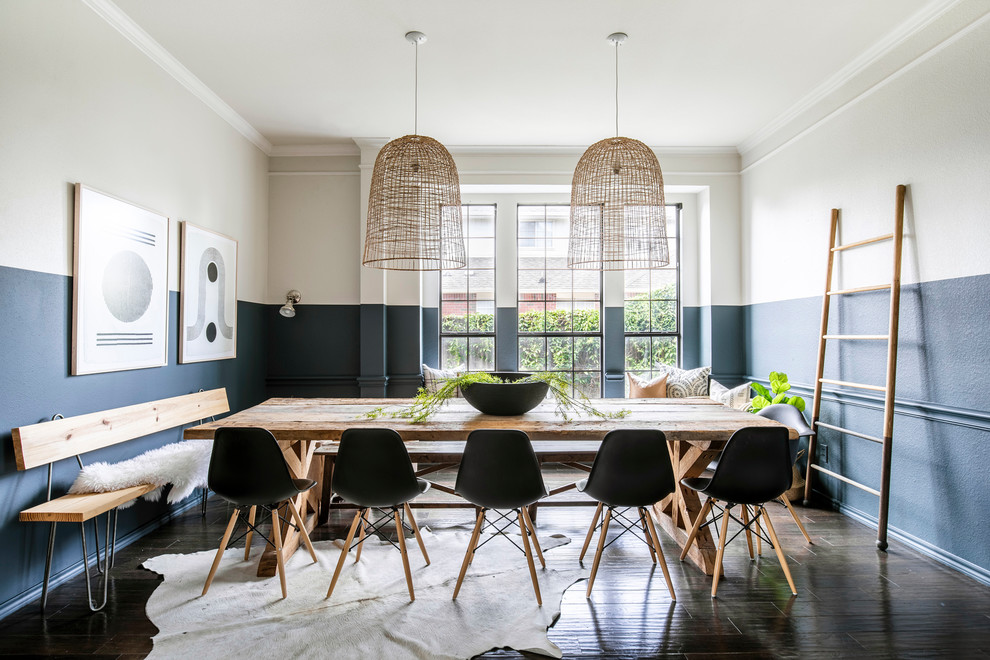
point(426, 403)
point(779, 387)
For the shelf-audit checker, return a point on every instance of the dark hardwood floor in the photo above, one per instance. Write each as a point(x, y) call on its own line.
point(853, 601)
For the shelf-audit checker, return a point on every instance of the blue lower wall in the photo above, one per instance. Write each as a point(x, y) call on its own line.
point(35, 341)
point(940, 484)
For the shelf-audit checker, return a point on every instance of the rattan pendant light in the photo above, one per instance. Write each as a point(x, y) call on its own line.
point(618, 221)
point(414, 209)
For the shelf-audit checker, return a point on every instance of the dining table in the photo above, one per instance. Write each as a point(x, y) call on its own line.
point(696, 430)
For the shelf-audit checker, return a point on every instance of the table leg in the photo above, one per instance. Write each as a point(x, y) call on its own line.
point(677, 512)
point(299, 456)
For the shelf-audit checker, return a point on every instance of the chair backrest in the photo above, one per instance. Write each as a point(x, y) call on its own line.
point(788, 415)
point(632, 468)
point(754, 467)
point(247, 467)
point(372, 468)
point(499, 470)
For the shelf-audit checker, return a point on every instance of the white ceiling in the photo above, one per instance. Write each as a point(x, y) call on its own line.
point(700, 73)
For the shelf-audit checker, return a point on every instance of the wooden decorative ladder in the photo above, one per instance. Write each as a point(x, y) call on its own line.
point(886, 440)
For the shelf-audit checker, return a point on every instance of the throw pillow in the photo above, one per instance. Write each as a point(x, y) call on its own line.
point(433, 378)
point(682, 383)
point(737, 397)
point(647, 389)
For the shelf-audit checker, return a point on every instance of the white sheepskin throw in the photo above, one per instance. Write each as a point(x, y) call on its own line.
point(185, 465)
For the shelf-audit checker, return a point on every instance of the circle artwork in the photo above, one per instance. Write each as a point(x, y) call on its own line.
point(211, 271)
point(127, 286)
point(211, 332)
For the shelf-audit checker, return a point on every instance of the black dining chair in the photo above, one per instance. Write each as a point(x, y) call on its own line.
point(790, 416)
point(499, 472)
point(373, 471)
point(631, 470)
point(248, 470)
point(755, 468)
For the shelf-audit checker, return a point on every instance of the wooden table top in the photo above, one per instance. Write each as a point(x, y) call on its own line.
point(451, 451)
point(700, 421)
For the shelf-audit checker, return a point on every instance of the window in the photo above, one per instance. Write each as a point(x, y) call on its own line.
point(467, 297)
point(652, 309)
point(559, 309)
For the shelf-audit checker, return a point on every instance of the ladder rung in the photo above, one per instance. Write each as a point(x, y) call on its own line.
point(861, 289)
point(884, 337)
point(876, 388)
point(846, 480)
point(842, 430)
point(868, 241)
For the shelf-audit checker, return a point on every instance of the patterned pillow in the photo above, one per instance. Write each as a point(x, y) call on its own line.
point(738, 397)
point(683, 383)
point(433, 378)
point(647, 389)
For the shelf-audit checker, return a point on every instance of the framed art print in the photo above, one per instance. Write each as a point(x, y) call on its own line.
point(119, 285)
point(208, 316)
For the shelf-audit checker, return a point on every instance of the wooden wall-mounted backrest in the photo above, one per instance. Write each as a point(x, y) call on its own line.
point(47, 442)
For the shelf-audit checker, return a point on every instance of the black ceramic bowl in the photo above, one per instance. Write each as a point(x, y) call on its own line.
point(508, 398)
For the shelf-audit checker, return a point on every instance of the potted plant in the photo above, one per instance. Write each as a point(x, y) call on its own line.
point(779, 386)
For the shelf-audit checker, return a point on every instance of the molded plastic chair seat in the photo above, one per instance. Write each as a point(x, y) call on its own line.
point(755, 468)
point(248, 470)
point(499, 470)
point(632, 469)
point(373, 471)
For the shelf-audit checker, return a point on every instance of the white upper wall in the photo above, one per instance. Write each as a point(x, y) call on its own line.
point(80, 103)
point(926, 125)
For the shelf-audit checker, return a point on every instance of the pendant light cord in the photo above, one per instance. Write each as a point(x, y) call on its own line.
point(617, 90)
point(416, 94)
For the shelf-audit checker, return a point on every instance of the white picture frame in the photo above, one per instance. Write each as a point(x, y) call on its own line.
point(208, 296)
point(119, 285)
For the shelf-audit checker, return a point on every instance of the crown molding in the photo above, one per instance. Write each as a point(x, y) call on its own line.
point(123, 23)
point(913, 25)
point(315, 150)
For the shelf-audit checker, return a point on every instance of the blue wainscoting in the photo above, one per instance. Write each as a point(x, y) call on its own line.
point(940, 484)
point(35, 340)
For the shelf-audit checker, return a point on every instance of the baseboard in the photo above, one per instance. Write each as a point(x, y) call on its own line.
point(967, 568)
point(34, 593)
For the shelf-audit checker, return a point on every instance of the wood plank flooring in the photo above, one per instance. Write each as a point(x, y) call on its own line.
point(853, 601)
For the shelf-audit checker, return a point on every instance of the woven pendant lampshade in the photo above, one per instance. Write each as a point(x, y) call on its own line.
point(618, 219)
point(414, 208)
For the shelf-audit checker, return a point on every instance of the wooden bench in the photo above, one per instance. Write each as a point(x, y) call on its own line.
point(48, 442)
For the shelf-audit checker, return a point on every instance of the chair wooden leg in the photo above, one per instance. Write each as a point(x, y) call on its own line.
point(749, 537)
point(250, 533)
point(302, 530)
point(591, 531)
point(646, 533)
point(536, 541)
point(223, 546)
point(529, 558)
point(361, 533)
point(759, 535)
point(598, 553)
point(721, 549)
point(484, 514)
point(469, 554)
point(787, 503)
point(343, 552)
point(702, 515)
point(279, 558)
point(780, 552)
point(663, 560)
point(400, 532)
point(415, 529)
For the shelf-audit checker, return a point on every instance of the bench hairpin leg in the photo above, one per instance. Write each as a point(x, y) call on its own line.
point(48, 567)
point(106, 569)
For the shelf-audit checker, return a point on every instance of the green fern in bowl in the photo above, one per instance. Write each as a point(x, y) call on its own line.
point(779, 386)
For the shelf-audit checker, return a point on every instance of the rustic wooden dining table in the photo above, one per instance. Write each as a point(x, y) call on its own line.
point(696, 430)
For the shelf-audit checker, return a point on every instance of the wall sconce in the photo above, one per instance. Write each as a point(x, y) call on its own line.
point(292, 298)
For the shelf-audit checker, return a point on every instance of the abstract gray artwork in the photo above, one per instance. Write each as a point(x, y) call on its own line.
point(209, 295)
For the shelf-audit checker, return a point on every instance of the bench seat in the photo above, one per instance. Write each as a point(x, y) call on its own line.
point(80, 507)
